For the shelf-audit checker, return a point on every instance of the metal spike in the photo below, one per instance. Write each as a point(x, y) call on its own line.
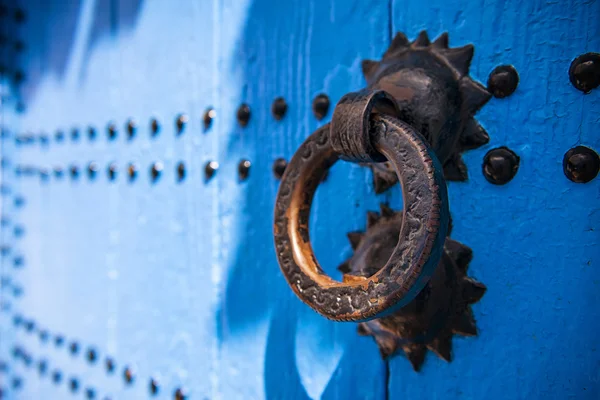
point(465, 324)
point(386, 211)
point(368, 68)
point(473, 136)
point(442, 346)
point(399, 42)
point(354, 238)
point(415, 354)
point(460, 254)
point(474, 95)
point(460, 58)
point(441, 42)
point(455, 169)
point(422, 40)
point(473, 290)
point(372, 218)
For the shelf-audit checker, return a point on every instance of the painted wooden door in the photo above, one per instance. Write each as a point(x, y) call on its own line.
point(137, 249)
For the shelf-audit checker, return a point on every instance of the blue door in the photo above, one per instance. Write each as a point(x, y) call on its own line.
point(143, 144)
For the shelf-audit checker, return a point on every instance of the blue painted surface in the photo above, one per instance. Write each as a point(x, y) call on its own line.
point(179, 280)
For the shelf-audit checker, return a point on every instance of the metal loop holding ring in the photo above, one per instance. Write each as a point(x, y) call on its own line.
point(422, 234)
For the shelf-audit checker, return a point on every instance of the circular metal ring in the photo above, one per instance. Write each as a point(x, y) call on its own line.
point(422, 234)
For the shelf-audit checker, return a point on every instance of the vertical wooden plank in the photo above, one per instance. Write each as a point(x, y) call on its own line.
point(272, 345)
point(533, 239)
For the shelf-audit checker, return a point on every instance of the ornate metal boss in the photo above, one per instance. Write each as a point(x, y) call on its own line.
point(406, 281)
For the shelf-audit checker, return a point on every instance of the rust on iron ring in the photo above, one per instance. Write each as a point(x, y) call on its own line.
point(421, 236)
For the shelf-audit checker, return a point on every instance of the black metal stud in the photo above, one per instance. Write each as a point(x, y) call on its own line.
point(244, 169)
point(59, 136)
point(92, 170)
point(74, 171)
point(18, 262)
point(109, 364)
point(154, 127)
point(29, 326)
point(44, 140)
point(208, 117)
point(44, 174)
point(584, 72)
point(500, 165)
point(179, 394)
point(74, 134)
point(581, 164)
point(132, 172)
point(74, 348)
point(19, 16)
point(180, 123)
point(58, 172)
point(130, 128)
point(111, 130)
point(156, 170)
point(90, 393)
point(180, 171)
point(279, 108)
point(243, 114)
point(210, 169)
point(279, 167)
point(112, 171)
point(153, 387)
point(56, 376)
point(43, 334)
point(18, 77)
point(19, 45)
point(128, 375)
point(18, 231)
point(42, 367)
point(91, 131)
point(503, 81)
point(320, 106)
point(17, 383)
point(91, 356)
point(59, 340)
point(74, 384)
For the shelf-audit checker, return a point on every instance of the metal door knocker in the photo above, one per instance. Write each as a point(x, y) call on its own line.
point(406, 281)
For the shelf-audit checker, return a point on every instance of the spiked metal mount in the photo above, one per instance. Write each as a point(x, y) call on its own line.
point(441, 309)
point(435, 94)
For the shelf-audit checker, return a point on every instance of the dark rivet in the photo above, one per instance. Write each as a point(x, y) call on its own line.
point(112, 171)
point(279, 108)
point(58, 172)
point(153, 386)
point(19, 45)
point(132, 172)
point(111, 130)
point(154, 127)
point(56, 376)
point(4, 221)
point(279, 167)
point(109, 364)
point(19, 201)
point(16, 352)
point(3, 10)
point(17, 383)
point(179, 394)
point(91, 356)
point(180, 123)
point(243, 114)
point(19, 15)
point(208, 117)
point(500, 165)
point(90, 393)
point(74, 348)
point(42, 367)
point(584, 72)
point(581, 164)
point(180, 171)
point(210, 169)
point(503, 81)
point(244, 169)
point(27, 359)
point(19, 77)
point(18, 231)
point(3, 366)
point(18, 262)
point(156, 170)
point(130, 127)
point(92, 170)
point(74, 172)
point(59, 136)
point(44, 336)
point(59, 341)
point(128, 375)
point(4, 250)
point(320, 106)
point(73, 384)
point(29, 326)
point(44, 174)
point(75, 134)
point(44, 140)
point(20, 107)
point(91, 131)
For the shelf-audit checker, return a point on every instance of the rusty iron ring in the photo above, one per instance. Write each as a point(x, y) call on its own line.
point(422, 234)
